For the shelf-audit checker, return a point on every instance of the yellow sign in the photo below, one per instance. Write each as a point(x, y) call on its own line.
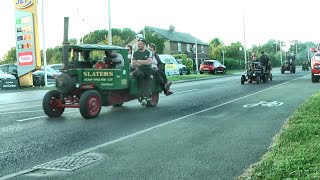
point(22, 4)
point(170, 67)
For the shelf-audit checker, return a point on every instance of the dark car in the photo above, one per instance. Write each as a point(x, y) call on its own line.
point(56, 67)
point(52, 71)
point(10, 69)
point(38, 78)
point(212, 66)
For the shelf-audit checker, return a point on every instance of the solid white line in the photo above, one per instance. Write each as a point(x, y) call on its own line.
point(3, 110)
point(219, 85)
point(186, 91)
point(20, 112)
point(28, 119)
point(151, 128)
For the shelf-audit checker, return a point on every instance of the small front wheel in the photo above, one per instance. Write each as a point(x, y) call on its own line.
point(50, 104)
point(90, 104)
point(153, 101)
point(243, 79)
point(258, 79)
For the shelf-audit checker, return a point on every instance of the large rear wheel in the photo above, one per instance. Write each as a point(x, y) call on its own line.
point(153, 101)
point(90, 104)
point(50, 104)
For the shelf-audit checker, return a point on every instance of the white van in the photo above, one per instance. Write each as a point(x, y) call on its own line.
point(172, 66)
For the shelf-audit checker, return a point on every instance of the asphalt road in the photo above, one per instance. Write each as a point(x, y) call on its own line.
point(201, 132)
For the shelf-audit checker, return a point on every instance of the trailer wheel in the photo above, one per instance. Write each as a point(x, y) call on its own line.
point(90, 104)
point(154, 99)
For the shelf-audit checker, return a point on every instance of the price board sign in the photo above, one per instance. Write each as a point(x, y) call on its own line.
point(25, 42)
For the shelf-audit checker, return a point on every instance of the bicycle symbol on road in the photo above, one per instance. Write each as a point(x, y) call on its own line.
point(264, 104)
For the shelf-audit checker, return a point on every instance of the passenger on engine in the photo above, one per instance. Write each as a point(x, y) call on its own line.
point(159, 71)
point(113, 60)
point(141, 60)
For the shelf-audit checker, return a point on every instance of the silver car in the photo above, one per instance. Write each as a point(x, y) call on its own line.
point(4, 76)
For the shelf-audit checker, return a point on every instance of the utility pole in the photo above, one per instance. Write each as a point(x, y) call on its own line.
point(109, 32)
point(244, 39)
point(44, 49)
point(280, 53)
point(223, 57)
point(197, 69)
point(308, 51)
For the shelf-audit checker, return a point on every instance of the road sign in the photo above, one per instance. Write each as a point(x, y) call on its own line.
point(9, 84)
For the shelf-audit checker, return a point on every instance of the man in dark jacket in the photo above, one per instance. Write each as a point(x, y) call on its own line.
point(159, 71)
point(264, 60)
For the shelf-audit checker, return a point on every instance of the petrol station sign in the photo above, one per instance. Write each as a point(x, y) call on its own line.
point(25, 42)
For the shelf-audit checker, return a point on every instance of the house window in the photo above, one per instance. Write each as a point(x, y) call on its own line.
point(202, 49)
point(179, 47)
point(188, 47)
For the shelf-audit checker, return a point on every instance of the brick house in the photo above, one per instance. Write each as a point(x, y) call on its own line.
point(178, 42)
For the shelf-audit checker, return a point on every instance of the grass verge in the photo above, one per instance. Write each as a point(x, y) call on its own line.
point(295, 153)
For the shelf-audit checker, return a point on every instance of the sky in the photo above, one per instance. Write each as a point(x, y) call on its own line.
point(204, 19)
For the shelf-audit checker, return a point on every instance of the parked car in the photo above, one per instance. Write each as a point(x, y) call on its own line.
point(212, 66)
point(172, 66)
point(38, 78)
point(4, 75)
point(56, 67)
point(52, 71)
point(10, 69)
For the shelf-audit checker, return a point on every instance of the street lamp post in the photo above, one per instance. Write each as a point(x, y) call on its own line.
point(109, 32)
point(44, 49)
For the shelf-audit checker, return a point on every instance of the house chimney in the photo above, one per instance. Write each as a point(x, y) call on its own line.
point(171, 28)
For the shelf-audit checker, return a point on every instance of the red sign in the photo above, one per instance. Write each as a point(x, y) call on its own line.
point(25, 58)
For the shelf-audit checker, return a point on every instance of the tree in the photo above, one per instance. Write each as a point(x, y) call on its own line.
point(215, 42)
point(100, 35)
point(10, 57)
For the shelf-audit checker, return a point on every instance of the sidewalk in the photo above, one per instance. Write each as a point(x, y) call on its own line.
point(18, 96)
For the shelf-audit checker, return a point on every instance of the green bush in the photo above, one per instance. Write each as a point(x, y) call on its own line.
point(232, 64)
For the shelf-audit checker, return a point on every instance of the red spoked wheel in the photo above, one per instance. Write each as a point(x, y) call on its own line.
point(51, 104)
point(90, 104)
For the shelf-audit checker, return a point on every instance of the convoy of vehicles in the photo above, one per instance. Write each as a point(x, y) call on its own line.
point(213, 67)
